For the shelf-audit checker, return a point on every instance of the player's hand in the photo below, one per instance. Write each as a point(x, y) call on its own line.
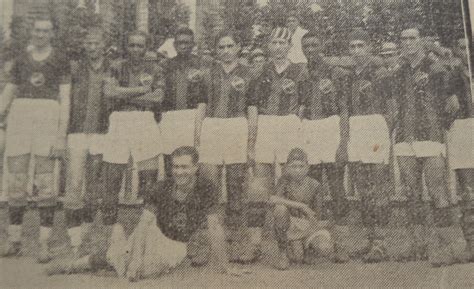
point(341, 154)
point(59, 149)
point(452, 104)
point(308, 212)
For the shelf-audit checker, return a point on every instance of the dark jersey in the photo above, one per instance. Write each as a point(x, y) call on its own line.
point(278, 93)
point(40, 79)
point(88, 107)
point(185, 83)
point(228, 92)
point(323, 90)
point(134, 76)
point(368, 87)
point(421, 91)
point(309, 192)
point(179, 220)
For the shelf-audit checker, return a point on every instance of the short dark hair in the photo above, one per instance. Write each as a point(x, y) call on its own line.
point(184, 31)
point(232, 34)
point(186, 151)
point(140, 33)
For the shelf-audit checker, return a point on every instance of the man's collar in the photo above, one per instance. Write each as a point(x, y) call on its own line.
point(229, 68)
point(280, 69)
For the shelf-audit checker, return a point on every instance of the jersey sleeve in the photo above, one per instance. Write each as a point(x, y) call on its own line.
point(14, 76)
point(317, 199)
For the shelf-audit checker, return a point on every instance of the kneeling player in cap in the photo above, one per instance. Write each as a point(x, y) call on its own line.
point(296, 211)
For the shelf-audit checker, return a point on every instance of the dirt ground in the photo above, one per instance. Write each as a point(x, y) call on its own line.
point(23, 272)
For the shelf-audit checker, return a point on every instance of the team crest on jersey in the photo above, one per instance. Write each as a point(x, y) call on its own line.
point(146, 79)
point(365, 86)
point(194, 75)
point(238, 83)
point(289, 86)
point(326, 86)
point(37, 79)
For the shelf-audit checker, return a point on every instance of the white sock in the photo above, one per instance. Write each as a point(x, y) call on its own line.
point(45, 233)
point(75, 234)
point(118, 234)
point(14, 233)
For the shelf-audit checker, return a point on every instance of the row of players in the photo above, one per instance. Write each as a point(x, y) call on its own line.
point(105, 113)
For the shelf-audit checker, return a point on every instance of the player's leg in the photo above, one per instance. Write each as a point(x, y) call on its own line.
point(411, 177)
point(281, 224)
point(340, 209)
point(147, 174)
point(445, 247)
point(244, 250)
point(380, 211)
point(74, 201)
point(47, 202)
point(17, 202)
point(115, 235)
point(466, 186)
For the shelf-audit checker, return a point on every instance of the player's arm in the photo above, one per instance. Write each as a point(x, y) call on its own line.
point(7, 97)
point(112, 89)
point(202, 89)
point(343, 89)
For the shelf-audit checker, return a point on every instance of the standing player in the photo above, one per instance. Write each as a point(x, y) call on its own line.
point(371, 111)
point(276, 95)
point(461, 153)
point(423, 102)
point(134, 91)
point(36, 100)
point(185, 93)
point(224, 135)
point(87, 127)
point(325, 101)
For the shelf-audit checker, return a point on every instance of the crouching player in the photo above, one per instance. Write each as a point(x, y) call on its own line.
point(179, 220)
point(296, 211)
point(86, 130)
point(36, 100)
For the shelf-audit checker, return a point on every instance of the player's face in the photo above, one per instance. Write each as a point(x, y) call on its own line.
point(183, 170)
point(292, 23)
point(297, 170)
point(42, 33)
point(278, 48)
point(358, 48)
point(258, 61)
point(94, 46)
point(312, 47)
point(184, 44)
point(136, 46)
point(410, 42)
point(227, 49)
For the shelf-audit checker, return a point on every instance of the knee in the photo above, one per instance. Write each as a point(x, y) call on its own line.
point(47, 216)
point(73, 218)
point(16, 215)
point(281, 217)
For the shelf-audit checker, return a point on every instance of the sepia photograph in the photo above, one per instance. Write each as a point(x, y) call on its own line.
point(236, 144)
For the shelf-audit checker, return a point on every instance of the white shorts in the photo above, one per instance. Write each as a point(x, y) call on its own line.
point(321, 139)
point(276, 137)
point(92, 143)
point(461, 144)
point(369, 139)
point(32, 127)
point(224, 140)
point(420, 149)
point(132, 133)
point(177, 129)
